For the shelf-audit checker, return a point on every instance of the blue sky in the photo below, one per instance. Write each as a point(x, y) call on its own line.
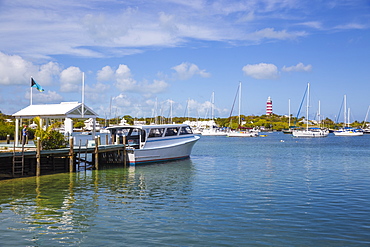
point(139, 54)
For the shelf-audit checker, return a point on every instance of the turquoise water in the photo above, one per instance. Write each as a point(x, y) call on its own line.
point(266, 191)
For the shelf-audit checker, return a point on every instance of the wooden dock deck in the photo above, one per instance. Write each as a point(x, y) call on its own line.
point(29, 161)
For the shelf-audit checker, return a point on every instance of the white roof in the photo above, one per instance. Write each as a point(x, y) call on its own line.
point(62, 110)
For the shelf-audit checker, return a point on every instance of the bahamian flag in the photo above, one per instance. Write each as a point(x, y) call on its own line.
point(36, 85)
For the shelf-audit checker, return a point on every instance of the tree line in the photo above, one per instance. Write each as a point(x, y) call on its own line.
point(269, 122)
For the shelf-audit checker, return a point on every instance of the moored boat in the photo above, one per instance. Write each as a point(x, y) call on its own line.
point(242, 134)
point(348, 131)
point(155, 143)
point(213, 132)
point(309, 132)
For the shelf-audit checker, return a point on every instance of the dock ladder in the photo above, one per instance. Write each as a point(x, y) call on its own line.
point(18, 161)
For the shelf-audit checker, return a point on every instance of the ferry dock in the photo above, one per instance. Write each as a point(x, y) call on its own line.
point(28, 160)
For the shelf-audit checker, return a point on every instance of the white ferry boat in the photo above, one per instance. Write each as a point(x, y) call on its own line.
point(155, 143)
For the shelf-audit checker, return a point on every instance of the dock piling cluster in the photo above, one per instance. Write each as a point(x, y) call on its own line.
point(36, 162)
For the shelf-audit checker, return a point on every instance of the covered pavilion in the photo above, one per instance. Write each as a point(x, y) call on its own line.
point(64, 110)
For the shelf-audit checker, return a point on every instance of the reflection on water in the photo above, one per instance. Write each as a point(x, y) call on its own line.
point(61, 208)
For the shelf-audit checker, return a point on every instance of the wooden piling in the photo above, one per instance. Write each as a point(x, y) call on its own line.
point(87, 144)
point(38, 157)
point(79, 155)
point(7, 139)
point(71, 155)
point(106, 139)
point(96, 153)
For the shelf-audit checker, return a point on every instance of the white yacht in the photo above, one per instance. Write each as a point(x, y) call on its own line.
point(309, 132)
point(251, 133)
point(155, 143)
point(348, 131)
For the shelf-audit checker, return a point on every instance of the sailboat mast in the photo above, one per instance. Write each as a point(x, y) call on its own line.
point(345, 110)
point(319, 114)
point(289, 112)
point(367, 113)
point(240, 96)
point(308, 103)
point(213, 106)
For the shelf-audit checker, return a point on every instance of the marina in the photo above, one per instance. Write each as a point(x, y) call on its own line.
point(271, 191)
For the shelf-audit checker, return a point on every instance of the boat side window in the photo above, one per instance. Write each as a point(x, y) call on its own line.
point(156, 132)
point(133, 138)
point(122, 132)
point(186, 130)
point(172, 131)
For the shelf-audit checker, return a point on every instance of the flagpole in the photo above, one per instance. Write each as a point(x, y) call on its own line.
point(31, 92)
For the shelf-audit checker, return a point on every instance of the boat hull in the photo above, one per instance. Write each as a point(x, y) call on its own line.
point(310, 134)
point(242, 134)
point(213, 133)
point(175, 151)
point(348, 133)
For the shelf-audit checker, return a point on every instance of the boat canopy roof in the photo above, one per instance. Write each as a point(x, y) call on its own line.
point(151, 126)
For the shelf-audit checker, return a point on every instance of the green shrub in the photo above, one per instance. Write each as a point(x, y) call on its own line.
point(53, 139)
point(50, 138)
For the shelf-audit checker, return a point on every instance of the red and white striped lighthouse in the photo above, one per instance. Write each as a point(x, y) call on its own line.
point(269, 106)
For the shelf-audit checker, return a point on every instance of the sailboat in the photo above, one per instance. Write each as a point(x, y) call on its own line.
point(213, 130)
point(309, 132)
point(248, 133)
point(346, 130)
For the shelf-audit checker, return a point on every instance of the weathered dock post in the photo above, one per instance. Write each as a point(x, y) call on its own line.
point(96, 152)
point(71, 155)
point(7, 139)
point(106, 139)
point(124, 156)
point(38, 156)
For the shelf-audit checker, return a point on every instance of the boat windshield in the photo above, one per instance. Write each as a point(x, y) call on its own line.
point(172, 131)
point(133, 136)
point(156, 132)
point(185, 130)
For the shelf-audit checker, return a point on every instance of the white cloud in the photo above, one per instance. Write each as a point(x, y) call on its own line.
point(70, 79)
point(48, 73)
point(261, 71)
point(350, 26)
point(45, 97)
point(121, 100)
point(157, 86)
point(124, 80)
point(15, 70)
point(312, 24)
point(105, 74)
point(299, 67)
point(270, 33)
point(83, 28)
point(186, 71)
